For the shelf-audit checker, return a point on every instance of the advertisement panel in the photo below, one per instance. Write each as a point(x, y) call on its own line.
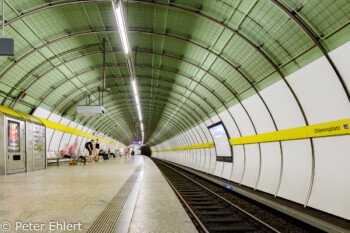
point(222, 143)
point(14, 142)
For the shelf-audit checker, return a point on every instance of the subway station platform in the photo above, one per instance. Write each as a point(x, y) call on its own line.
point(116, 195)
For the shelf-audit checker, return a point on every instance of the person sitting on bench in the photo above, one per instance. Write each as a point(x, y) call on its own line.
point(64, 152)
point(103, 153)
point(72, 153)
point(110, 153)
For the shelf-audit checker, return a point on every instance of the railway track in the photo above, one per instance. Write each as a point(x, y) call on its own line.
point(211, 211)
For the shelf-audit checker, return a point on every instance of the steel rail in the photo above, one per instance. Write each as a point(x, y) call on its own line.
point(185, 203)
point(222, 198)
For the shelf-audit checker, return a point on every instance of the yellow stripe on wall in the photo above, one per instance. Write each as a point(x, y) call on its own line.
point(313, 131)
point(53, 125)
point(333, 128)
point(199, 146)
point(9, 111)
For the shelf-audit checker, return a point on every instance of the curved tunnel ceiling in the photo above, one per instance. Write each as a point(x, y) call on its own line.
point(193, 59)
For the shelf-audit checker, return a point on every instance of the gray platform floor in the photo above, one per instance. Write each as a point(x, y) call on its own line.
point(78, 194)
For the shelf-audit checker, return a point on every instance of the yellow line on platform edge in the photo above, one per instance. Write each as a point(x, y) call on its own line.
point(327, 129)
point(53, 125)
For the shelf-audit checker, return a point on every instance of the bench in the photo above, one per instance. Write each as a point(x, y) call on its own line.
point(53, 155)
point(82, 154)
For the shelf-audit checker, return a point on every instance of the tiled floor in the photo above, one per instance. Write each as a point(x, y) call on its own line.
point(79, 194)
point(157, 207)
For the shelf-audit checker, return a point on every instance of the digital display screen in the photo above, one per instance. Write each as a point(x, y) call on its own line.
point(135, 142)
point(14, 141)
point(221, 140)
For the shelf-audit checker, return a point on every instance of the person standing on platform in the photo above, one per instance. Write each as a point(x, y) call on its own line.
point(97, 149)
point(90, 146)
point(132, 152)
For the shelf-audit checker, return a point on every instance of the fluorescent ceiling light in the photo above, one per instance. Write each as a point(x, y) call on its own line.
point(133, 82)
point(121, 25)
point(119, 16)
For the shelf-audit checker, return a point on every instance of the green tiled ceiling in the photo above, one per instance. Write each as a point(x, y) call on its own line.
point(193, 58)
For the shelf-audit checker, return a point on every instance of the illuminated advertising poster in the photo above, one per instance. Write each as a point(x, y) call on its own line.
point(222, 143)
point(14, 142)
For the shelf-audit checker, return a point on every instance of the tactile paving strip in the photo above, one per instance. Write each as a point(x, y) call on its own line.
point(106, 222)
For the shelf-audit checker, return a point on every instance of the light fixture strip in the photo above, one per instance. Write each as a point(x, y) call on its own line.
point(119, 16)
point(130, 66)
point(118, 11)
